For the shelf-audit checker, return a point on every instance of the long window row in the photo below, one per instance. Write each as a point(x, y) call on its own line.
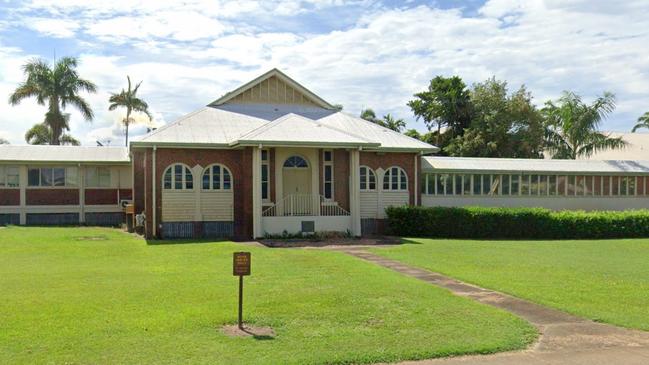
point(9, 176)
point(534, 185)
point(55, 176)
point(180, 177)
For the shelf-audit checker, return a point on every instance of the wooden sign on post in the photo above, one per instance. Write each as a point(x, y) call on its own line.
point(241, 268)
point(241, 264)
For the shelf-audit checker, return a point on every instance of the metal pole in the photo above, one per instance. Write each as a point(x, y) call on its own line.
point(240, 301)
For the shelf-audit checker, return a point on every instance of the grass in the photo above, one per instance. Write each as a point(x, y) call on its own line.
point(90, 295)
point(603, 280)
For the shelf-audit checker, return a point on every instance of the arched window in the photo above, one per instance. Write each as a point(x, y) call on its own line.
point(368, 178)
point(217, 177)
point(395, 179)
point(178, 177)
point(295, 162)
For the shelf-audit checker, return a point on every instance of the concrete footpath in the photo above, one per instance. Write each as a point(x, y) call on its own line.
point(564, 339)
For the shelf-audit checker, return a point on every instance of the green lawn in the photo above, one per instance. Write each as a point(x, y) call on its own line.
point(604, 280)
point(89, 295)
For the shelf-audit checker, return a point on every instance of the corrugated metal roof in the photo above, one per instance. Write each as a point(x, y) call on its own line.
point(81, 154)
point(294, 129)
point(469, 164)
point(388, 138)
point(271, 112)
point(207, 125)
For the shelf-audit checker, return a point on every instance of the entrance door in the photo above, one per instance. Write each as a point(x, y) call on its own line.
point(296, 186)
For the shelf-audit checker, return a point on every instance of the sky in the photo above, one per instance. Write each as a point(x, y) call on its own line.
point(358, 53)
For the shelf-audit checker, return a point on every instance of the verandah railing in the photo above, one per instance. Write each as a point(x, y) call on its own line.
point(304, 205)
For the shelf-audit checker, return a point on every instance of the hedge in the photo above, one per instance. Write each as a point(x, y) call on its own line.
point(515, 223)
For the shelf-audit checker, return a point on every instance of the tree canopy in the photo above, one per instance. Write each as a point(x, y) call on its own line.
point(128, 99)
point(643, 122)
point(57, 86)
point(572, 126)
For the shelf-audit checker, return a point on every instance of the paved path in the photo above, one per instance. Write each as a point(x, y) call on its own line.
point(564, 339)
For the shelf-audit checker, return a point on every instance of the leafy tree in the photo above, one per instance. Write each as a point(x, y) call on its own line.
point(57, 86)
point(4, 141)
point(394, 124)
point(502, 125)
point(369, 115)
point(128, 99)
point(338, 107)
point(413, 133)
point(572, 126)
point(41, 133)
point(643, 122)
point(445, 103)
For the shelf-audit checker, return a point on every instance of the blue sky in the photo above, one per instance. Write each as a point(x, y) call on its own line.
point(358, 53)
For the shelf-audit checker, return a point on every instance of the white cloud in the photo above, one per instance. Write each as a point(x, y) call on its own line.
point(379, 62)
point(57, 28)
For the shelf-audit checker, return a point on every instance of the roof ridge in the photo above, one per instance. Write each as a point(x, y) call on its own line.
point(263, 128)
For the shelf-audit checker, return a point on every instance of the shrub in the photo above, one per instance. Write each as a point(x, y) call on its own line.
point(515, 223)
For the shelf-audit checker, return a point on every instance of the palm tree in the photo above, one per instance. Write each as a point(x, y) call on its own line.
point(643, 122)
point(57, 86)
point(129, 100)
point(394, 124)
point(41, 133)
point(572, 126)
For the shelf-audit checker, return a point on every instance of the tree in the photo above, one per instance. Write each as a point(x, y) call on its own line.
point(4, 141)
point(128, 99)
point(395, 124)
point(41, 133)
point(57, 86)
point(413, 133)
point(572, 126)
point(502, 125)
point(643, 122)
point(445, 103)
point(369, 115)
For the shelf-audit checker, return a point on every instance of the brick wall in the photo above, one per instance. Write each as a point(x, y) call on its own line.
point(239, 162)
point(101, 196)
point(341, 178)
point(9, 197)
point(404, 160)
point(52, 196)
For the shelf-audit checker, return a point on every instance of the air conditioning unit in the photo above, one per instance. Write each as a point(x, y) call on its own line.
point(124, 202)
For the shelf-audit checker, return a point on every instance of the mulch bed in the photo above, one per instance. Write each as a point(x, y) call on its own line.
point(305, 242)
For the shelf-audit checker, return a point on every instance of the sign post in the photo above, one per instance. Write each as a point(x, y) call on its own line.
point(241, 268)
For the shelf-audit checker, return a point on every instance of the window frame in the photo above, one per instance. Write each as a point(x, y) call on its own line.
point(97, 169)
point(370, 172)
point(265, 184)
point(222, 173)
point(330, 182)
point(186, 170)
point(68, 173)
point(400, 178)
point(4, 176)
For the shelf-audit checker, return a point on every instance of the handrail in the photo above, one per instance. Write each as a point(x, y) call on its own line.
point(304, 205)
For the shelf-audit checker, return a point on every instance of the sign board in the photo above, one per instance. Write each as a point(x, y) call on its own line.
point(241, 264)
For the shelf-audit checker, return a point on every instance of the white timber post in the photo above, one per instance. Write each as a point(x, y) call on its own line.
point(22, 183)
point(354, 192)
point(256, 192)
point(82, 193)
point(417, 182)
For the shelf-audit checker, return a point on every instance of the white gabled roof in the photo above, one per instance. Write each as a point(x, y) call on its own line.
point(208, 126)
point(280, 75)
point(79, 154)
point(293, 129)
point(389, 139)
point(513, 165)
